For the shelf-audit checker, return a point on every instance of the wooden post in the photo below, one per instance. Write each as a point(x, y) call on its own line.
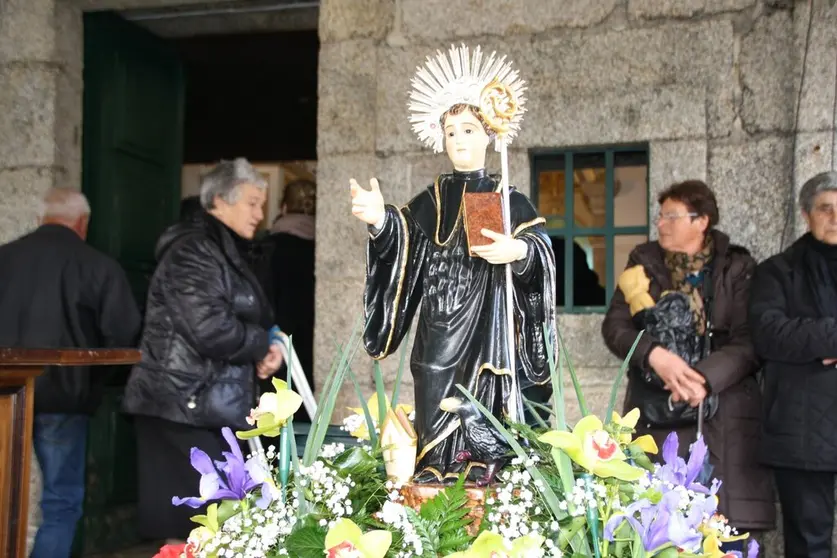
point(18, 370)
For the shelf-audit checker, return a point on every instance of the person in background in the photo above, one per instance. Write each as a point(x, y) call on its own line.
point(689, 254)
point(206, 338)
point(793, 319)
point(291, 283)
point(56, 291)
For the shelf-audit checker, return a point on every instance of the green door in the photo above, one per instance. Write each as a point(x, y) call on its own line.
point(132, 157)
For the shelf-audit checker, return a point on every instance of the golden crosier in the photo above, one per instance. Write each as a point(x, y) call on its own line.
point(498, 106)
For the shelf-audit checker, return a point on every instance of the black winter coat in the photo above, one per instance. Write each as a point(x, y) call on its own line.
point(800, 392)
point(56, 291)
point(206, 327)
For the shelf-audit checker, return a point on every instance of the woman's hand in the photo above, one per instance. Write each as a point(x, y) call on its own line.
point(503, 250)
point(684, 383)
point(270, 363)
point(367, 205)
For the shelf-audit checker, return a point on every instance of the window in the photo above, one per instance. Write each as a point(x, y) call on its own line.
point(595, 202)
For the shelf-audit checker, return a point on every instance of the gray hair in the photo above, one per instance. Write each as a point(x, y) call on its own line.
point(225, 179)
point(64, 204)
point(823, 182)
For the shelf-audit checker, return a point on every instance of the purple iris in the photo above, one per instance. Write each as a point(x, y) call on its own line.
point(679, 473)
point(659, 524)
point(239, 478)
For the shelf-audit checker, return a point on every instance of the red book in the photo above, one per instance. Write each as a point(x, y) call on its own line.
point(483, 210)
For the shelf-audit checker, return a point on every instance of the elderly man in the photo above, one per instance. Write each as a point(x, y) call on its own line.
point(56, 291)
point(793, 320)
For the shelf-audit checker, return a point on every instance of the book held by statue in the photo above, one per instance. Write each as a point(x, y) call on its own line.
point(483, 210)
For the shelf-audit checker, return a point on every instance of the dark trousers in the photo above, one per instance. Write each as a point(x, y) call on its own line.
point(807, 499)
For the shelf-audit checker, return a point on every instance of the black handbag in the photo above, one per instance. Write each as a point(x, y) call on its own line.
point(671, 323)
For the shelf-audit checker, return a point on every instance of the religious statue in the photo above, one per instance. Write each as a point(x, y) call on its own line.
point(483, 303)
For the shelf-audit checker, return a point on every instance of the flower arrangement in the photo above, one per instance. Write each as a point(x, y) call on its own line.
point(590, 490)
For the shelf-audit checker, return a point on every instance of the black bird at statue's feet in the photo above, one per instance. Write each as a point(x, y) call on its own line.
point(483, 443)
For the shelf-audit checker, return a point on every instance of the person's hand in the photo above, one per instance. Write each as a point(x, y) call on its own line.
point(503, 250)
point(699, 393)
point(270, 363)
point(829, 361)
point(678, 376)
point(367, 205)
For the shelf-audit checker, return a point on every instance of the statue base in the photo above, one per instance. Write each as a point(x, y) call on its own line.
point(416, 494)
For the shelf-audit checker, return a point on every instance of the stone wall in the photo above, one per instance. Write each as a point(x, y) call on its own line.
point(710, 85)
point(40, 106)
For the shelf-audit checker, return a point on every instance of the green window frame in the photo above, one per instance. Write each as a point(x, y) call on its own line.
point(550, 160)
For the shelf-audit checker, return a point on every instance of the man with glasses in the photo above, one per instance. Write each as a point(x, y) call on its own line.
point(793, 318)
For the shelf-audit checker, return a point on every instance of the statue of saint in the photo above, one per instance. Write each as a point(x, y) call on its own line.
point(418, 259)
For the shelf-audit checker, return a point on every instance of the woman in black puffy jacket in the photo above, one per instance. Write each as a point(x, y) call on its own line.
point(205, 341)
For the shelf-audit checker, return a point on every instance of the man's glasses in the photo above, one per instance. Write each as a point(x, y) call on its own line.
point(671, 217)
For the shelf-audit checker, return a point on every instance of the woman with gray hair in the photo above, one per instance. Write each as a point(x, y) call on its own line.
point(793, 321)
point(205, 341)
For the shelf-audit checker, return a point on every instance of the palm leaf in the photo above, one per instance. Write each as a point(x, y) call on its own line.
point(370, 424)
point(548, 495)
point(396, 389)
point(582, 403)
point(614, 391)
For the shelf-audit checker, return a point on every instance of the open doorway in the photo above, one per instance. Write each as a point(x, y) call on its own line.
point(158, 110)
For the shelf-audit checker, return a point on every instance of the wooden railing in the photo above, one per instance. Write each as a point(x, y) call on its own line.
point(18, 370)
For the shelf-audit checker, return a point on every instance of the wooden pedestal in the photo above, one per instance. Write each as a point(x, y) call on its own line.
point(18, 370)
point(416, 494)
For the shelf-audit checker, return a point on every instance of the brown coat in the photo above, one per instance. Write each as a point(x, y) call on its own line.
point(746, 496)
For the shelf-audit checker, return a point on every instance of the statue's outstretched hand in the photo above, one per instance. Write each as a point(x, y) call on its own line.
point(367, 205)
point(504, 249)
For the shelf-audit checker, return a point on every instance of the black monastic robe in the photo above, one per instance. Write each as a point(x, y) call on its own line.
point(420, 259)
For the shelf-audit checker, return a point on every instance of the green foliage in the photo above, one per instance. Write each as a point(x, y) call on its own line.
point(448, 513)
point(307, 541)
point(614, 391)
point(369, 492)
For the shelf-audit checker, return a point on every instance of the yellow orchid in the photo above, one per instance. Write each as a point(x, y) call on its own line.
point(346, 540)
point(273, 411)
point(713, 538)
point(492, 545)
point(646, 443)
point(591, 447)
point(362, 431)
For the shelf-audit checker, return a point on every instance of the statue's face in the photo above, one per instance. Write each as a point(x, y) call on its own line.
point(465, 141)
point(822, 221)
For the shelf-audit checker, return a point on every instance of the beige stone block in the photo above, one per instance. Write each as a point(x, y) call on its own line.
point(768, 79)
point(36, 489)
point(817, 105)
point(583, 342)
point(69, 37)
point(346, 107)
point(27, 115)
point(102, 5)
point(341, 238)
point(438, 19)
point(569, 119)
point(404, 176)
point(341, 20)
point(652, 9)
point(68, 126)
point(22, 192)
point(753, 180)
point(27, 32)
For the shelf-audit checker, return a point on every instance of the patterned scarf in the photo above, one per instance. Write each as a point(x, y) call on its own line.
point(687, 274)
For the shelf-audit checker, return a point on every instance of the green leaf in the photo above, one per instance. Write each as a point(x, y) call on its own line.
point(306, 542)
point(402, 359)
point(562, 460)
point(614, 391)
point(582, 403)
point(370, 424)
point(291, 361)
point(379, 390)
point(549, 496)
point(531, 407)
point(322, 418)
